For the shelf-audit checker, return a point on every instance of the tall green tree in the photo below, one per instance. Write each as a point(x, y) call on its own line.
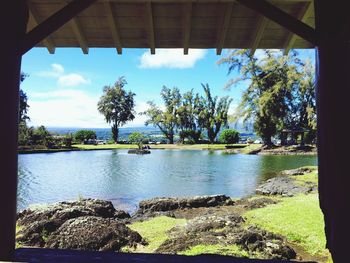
point(166, 120)
point(117, 105)
point(188, 113)
point(268, 101)
point(213, 113)
point(23, 102)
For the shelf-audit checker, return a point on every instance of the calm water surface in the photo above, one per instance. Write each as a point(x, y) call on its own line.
point(125, 179)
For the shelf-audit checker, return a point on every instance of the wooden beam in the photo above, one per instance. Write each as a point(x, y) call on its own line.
point(262, 23)
point(187, 26)
point(224, 28)
point(150, 27)
point(303, 16)
point(34, 20)
point(74, 22)
point(13, 25)
point(54, 22)
point(113, 27)
point(282, 18)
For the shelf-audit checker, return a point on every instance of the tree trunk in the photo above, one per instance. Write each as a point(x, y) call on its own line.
point(171, 138)
point(115, 133)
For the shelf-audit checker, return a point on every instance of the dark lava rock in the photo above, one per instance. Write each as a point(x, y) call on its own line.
point(138, 151)
point(120, 214)
point(226, 230)
point(39, 223)
point(272, 246)
point(93, 233)
point(169, 204)
point(284, 186)
point(63, 211)
point(255, 202)
point(298, 171)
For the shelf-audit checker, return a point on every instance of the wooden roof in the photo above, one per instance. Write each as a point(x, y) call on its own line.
point(171, 24)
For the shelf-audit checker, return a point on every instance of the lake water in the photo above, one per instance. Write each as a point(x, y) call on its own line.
point(125, 179)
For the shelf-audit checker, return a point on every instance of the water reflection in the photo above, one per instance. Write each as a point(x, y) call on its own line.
point(126, 179)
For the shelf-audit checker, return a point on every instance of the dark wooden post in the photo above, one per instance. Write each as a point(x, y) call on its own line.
point(13, 21)
point(333, 89)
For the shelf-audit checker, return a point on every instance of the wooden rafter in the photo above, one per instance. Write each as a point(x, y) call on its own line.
point(303, 16)
point(113, 27)
point(187, 26)
point(78, 32)
point(282, 18)
point(224, 28)
point(54, 22)
point(262, 23)
point(150, 27)
point(34, 20)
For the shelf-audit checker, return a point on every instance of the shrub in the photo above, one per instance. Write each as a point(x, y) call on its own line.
point(83, 135)
point(136, 138)
point(229, 136)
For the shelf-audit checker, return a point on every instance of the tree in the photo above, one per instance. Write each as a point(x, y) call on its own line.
point(166, 120)
point(229, 136)
point(41, 136)
point(269, 98)
point(188, 113)
point(23, 102)
point(117, 106)
point(84, 135)
point(213, 113)
point(136, 138)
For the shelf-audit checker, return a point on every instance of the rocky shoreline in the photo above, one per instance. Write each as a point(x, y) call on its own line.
point(91, 224)
point(285, 150)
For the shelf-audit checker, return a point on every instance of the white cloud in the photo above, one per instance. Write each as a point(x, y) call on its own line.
point(72, 108)
point(171, 58)
point(65, 80)
point(72, 79)
point(56, 71)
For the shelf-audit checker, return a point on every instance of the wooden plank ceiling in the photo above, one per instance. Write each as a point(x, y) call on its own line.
point(171, 24)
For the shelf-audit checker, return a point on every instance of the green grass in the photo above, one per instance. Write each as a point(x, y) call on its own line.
point(230, 250)
point(155, 231)
point(18, 228)
point(298, 218)
point(310, 177)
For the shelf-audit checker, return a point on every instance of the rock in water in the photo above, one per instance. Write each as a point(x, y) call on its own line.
point(93, 233)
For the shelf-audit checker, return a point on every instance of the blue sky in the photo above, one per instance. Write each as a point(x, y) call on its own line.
point(63, 89)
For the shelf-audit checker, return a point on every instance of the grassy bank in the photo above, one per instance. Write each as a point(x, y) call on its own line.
point(298, 219)
point(155, 231)
point(88, 147)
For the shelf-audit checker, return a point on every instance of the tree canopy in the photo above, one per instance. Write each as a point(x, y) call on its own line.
point(189, 114)
point(84, 135)
point(117, 105)
point(166, 120)
point(280, 94)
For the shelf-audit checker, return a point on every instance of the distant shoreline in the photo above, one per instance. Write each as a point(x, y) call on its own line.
point(236, 148)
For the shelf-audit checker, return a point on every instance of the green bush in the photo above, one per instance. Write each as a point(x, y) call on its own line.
point(229, 136)
point(136, 138)
point(82, 135)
